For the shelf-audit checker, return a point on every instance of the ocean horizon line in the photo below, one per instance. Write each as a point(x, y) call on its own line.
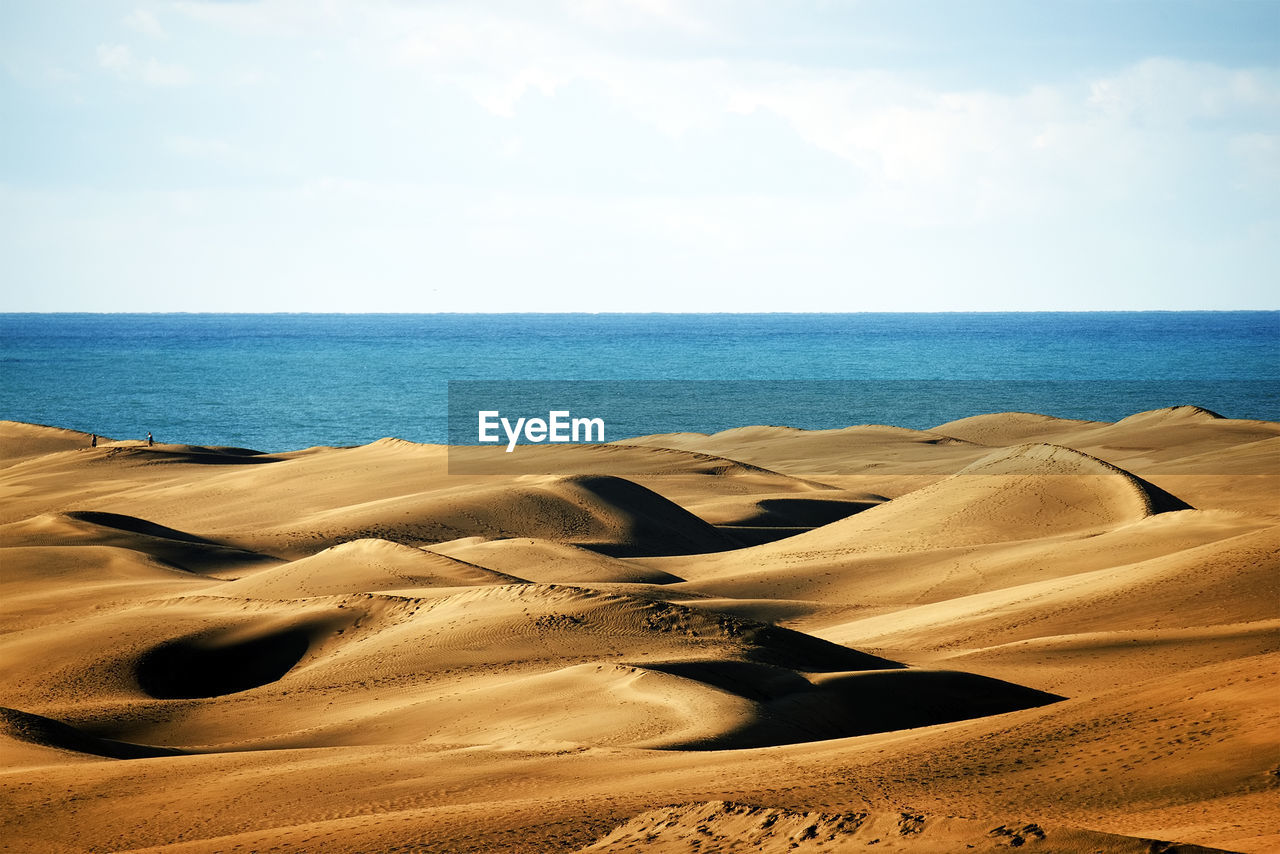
point(631, 313)
point(270, 380)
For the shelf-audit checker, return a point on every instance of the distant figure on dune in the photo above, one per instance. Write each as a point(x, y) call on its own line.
point(150, 441)
point(93, 443)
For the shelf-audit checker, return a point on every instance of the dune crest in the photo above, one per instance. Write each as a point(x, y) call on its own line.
point(20, 441)
point(359, 566)
point(1185, 412)
point(548, 561)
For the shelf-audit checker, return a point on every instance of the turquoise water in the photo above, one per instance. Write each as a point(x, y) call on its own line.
point(277, 382)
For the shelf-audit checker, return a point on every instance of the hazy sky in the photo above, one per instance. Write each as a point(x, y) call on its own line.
point(639, 155)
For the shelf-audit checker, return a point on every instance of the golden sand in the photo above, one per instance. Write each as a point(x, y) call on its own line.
point(1011, 630)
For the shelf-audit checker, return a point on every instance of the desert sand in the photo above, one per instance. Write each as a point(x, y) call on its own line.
point(1009, 631)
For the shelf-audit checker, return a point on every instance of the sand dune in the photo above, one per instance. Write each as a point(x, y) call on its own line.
point(1169, 591)
point(885, 580)
point(23, 441)
point(360, 566)
point(785, 510)
point(820, 453)
point(731, 827)
point(1003, 429)
point(609, 514)
point(1019, 495)
point(1009, 631)
point(176, 548)
point(549, 561)
point(1143, 443)
point(17, 727)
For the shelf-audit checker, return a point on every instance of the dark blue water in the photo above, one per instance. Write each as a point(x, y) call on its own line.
point(277, 382)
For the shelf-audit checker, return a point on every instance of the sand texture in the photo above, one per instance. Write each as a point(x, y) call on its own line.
point(1009, 631)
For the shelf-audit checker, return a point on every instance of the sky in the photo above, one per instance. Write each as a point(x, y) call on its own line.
point(639, 155)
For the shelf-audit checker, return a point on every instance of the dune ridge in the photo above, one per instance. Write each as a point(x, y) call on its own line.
point(358, 566)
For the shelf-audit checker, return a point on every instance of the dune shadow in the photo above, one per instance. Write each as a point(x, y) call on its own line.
point(859, 704)
point(194, 454)
point(794, 650)
point(803, 512)
point(758, 535)
point(776, 519)
point(212, 665)
point(135, 525)
point(655, 525)
point(177, 548)
point(47, 732)
point(761, 682)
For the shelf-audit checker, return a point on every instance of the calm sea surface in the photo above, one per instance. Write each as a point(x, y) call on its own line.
point(280, 381)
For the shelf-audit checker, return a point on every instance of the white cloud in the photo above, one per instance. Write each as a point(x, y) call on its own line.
point(500, 96)
point(115, 57)
point(144, 22)
point(119, 59)
point(923, 153)
point(512, 147)
point(156, 73)
point(342, 190)
point(618, 159)
point(902, 133)
point(209, 149)
point(285, 18)
point(1168, 93)
point(639, 14)
point(1259, 157)
point(58, 75)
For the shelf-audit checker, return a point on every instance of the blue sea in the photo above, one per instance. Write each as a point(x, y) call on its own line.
point(284, 381)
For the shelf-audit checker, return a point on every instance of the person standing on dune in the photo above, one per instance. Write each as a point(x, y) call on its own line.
point(93, 443)
point(150, 441)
